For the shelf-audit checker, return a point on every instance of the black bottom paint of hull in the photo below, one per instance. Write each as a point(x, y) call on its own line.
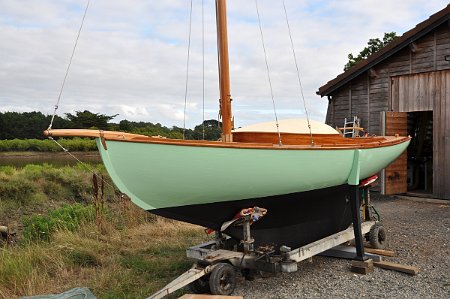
point(292, 220)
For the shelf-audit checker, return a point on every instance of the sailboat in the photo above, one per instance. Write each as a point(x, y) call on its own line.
point(299, 172)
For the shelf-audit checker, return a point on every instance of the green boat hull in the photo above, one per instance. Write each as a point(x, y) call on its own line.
point(156, 175)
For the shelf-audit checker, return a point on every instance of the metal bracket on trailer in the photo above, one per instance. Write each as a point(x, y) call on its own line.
point(326, 243)
point(183, 280)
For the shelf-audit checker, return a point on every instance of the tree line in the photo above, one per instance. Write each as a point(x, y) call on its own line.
point(30, 125)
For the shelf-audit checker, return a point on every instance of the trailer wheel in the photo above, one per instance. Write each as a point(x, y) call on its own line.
point(222, 280)
point(200, 286)
point(378, 236)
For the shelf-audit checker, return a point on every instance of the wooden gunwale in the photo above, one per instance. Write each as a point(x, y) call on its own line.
point(330, 145)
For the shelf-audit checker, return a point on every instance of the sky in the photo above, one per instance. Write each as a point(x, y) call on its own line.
point(131, 56)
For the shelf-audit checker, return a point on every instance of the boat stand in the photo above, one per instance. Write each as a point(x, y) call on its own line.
point(356, 214)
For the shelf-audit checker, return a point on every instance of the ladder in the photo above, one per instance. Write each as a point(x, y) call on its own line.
point(351, 127)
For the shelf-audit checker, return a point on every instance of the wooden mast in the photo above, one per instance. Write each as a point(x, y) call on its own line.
point(224, 70)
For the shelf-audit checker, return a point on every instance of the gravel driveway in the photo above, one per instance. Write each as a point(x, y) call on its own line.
point(418, 232)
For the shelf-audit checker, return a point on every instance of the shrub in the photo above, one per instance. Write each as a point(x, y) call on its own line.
point(46, 145)
point(16, 189)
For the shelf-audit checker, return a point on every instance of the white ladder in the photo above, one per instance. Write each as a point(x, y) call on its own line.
point(352, 127)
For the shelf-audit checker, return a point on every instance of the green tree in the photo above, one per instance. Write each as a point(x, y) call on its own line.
point(86, 119)
point(27, 124)
point(373, 45)
point(212, 130)
point(125, 125)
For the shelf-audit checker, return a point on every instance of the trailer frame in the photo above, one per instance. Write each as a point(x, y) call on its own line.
point(211, 257)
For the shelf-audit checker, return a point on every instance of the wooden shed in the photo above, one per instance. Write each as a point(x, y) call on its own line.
point(404, 88)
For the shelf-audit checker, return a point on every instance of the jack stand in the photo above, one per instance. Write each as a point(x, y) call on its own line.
point(356, 214)
point(248, 240)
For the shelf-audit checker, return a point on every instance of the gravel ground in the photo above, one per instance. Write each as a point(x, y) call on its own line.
point(418, 232)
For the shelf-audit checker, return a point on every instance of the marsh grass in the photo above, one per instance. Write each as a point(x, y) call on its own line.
point(132, 254)
point(45, 182)
point(132, 263)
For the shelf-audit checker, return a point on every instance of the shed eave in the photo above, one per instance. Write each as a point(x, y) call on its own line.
point(378, 57)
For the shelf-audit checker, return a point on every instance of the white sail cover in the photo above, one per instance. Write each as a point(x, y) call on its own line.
point(297, 125)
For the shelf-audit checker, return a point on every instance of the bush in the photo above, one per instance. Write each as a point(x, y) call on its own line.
point(16, 189)
point(46, 145)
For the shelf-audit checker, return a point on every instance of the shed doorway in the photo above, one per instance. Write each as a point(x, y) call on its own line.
point(420, 153)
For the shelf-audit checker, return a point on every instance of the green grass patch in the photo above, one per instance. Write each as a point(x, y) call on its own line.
point(82, 258)
point(164, 250)
point(69, 217)
point(47, 182)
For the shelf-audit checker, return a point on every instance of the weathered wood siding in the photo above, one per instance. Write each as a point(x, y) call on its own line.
point(369, 94)
point(380, 89)
point(414, 92)
point(441, 136)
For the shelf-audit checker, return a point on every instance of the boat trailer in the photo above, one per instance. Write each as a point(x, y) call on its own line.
point(216, 261)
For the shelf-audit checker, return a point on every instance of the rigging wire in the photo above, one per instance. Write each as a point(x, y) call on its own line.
point(298, 73)
point(187, 72)
point(203, 71)
point(85, 165)
point(68, 66)
point(268, 74)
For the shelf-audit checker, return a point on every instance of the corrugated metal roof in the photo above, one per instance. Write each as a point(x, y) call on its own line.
point(396, 45)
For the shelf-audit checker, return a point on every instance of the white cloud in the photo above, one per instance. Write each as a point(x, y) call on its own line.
point(131, 56)
point(132, 112)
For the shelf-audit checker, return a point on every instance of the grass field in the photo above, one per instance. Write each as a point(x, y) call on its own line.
point(68, 238)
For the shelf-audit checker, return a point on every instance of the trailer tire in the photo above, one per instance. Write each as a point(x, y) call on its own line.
point(222, 280)
point(200, 286)
point(378, 236)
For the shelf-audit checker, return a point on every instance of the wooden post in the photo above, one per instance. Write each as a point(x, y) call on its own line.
point(224, 70)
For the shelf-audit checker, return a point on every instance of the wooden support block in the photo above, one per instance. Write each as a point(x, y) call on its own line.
point(366, 263)
point(397, 267)
point(362, 267)
point(205, 296)
point(361, 270)
point(380, 251)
